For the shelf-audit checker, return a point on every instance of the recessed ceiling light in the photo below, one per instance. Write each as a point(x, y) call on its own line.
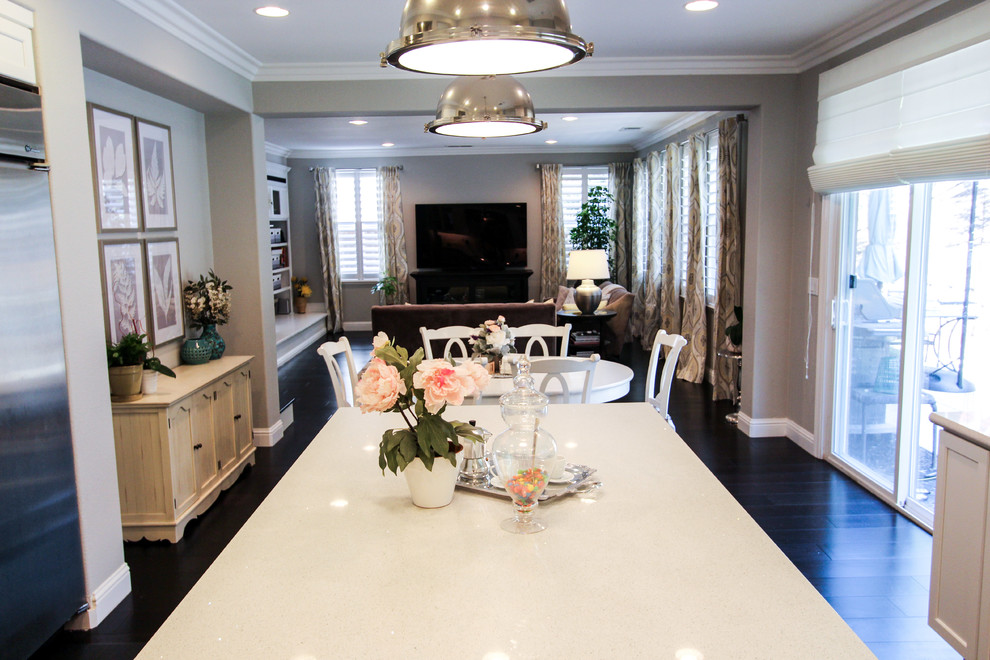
point(357, 122)
point(388, 144)
point(569, 118)
point(271, 11)
point(551, 141)
point(701, 5)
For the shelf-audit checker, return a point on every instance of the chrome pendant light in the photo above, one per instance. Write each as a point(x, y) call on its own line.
point(485, 106)
point(485, 37)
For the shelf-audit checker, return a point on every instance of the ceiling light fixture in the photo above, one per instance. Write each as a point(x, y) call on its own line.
point(550, 141)
point(569, 118)
point(271, 12)
point(486, 37)
point(357, 122)
point(485, 106)
point(388, 144)
point(701, 5)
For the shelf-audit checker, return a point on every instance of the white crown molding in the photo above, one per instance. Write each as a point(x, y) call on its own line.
point(278, 151)
point(859, 31)
point(390, 152)
point(684, 123)
point(190, 30)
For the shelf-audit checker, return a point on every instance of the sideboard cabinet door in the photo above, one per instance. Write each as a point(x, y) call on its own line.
point(181, 449)
point(243, 426)
point(223, 422)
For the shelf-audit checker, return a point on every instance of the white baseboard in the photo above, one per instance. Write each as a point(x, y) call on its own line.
point(357, 326)
point(803, 438)
point(287, 416)
point(270, 436)
point(102, 601)
point(776, 427)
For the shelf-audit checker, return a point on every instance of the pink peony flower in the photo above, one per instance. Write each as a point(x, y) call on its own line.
point(379, 387)
point(477, 374)
point(441, 383)
point(379, 340)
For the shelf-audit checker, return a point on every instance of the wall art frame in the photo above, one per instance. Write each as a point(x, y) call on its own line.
point(165, 302)
point(124, 302)
point(154, 147)
point(114, 170)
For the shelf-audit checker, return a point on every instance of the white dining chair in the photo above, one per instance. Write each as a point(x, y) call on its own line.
point(343, 388)
point(455, 336)
point(555, 370)
point(659, 397)
point(539, 333)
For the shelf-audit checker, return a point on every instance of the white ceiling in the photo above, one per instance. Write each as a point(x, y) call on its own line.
point(337, 39)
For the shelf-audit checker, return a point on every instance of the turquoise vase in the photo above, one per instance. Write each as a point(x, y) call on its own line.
point(216, 342)
point(196, 351)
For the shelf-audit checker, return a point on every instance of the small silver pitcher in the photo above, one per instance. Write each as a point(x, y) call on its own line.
point(474, 468)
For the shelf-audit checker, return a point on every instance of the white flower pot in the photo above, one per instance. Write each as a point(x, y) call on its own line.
point(432, 489)
point(149, 381)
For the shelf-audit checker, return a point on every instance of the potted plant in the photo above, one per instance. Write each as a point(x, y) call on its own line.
point(595, 230)
point(493, 340)
point(302, 291)
point(419, 390)
point(208, 304)
point(386, 288)
point(734, 331)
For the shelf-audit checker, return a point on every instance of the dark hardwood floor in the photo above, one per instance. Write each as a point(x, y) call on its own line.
point(870, 563)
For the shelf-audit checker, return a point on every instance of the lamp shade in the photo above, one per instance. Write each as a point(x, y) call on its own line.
point(485, 37)
point(587, 265)
point(485, 106)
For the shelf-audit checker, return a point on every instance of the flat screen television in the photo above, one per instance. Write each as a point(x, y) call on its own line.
point(471, 236)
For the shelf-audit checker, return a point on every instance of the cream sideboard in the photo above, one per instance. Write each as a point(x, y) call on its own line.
point(178, 448)
point(959, 599)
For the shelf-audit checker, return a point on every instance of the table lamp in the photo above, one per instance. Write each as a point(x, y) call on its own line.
point(587, 266)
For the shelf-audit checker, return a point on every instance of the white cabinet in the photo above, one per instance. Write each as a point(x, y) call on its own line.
point(177, 449)
point(278, 228)
point(16, 46)
point(959, 599)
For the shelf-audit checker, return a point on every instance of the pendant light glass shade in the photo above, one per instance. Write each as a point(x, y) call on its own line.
point(485, 106)
point(485, 37)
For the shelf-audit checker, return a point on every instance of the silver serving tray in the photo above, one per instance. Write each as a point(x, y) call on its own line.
point(578, 483)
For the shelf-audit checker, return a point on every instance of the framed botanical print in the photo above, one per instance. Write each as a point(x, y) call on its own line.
point(112, 143)
point(165, 290)
point(157, 188)
point(123, 288)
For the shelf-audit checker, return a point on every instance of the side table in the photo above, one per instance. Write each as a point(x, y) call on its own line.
point(585, 322)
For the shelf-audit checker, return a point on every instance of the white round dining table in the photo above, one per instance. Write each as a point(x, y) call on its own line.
point(611, 382)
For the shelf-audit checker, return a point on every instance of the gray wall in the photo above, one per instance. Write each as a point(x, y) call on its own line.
point(425, 180)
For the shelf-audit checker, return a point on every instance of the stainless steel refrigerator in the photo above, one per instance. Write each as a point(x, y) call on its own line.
point(41, 574)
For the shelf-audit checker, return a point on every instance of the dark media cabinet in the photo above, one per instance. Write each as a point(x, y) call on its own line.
point(439, 286)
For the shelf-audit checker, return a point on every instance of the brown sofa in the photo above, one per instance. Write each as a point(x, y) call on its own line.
point(404, 321)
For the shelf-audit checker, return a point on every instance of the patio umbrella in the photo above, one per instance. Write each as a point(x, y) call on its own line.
point(880, 260)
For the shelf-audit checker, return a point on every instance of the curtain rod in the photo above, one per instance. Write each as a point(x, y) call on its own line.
point(400, 167)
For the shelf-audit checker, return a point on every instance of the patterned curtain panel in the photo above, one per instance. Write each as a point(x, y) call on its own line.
point(691, 366)
point(729, 239)
point(393, 233)
point(326, 200)
point(639, 227)
point(670, 298)
point(649, 217)
point(554, 265)
point(620, 184)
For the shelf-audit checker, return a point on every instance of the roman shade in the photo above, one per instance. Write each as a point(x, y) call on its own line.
point(917, 109)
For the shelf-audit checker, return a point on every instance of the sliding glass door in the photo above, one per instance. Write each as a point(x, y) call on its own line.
point(911, 329)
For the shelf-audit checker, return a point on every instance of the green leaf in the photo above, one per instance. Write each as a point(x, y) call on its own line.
point(408, 447)
point(427, 461)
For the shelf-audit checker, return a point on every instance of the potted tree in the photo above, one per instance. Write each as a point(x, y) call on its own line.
point(125, 362)
point(386, 288)
point(595, 230)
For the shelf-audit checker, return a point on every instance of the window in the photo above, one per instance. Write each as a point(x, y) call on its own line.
point(574, 186)
point(708, 194)
point(356, 219)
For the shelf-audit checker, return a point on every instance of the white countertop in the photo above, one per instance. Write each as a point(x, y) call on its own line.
point(971, 425)
point(338, 563)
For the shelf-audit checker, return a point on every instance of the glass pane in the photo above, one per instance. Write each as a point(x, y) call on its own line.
point(873, 295)
point(956, 369)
